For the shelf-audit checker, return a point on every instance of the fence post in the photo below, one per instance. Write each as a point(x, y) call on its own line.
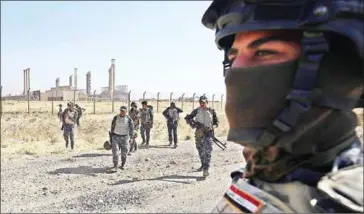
point(144, 95)
point(1, 101)
point(94, 101)
point(193, 101)
point(183, 99)
point(158, 102)
point(213, 100)
point(222, 97)
point(129, 99)
point(52, 102)
point(170, 97)
point(28, 101)
point(74, 96)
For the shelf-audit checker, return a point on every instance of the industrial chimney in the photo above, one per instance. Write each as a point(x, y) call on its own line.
point(88, 83)
point(70, 80)
point(113, 73)
point(26, 81)
point(57, 82)
point(110, 82)
point(75, 78)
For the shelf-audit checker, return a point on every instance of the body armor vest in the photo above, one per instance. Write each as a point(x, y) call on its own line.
point(121, 125)
point(204, 116)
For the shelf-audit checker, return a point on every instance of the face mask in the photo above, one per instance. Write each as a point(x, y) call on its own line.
point(254, 98)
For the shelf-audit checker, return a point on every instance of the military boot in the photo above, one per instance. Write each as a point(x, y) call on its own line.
point(170, 143)
point(200, 169)
point(135, 147)
point(123, 161)
point(205, 173)
point(143, 140)
point(66, 144)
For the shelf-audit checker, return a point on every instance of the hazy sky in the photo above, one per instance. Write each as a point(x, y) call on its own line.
point(158, 46)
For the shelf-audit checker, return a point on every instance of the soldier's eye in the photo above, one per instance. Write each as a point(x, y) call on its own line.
point(260, 53)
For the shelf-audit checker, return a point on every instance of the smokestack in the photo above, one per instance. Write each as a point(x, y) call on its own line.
point(110, 81)
point(28, 74)
point(113, 73)
point(57, 82)
point(24, 82)
point(75, 78)
point(88, 83)
point(70, 80)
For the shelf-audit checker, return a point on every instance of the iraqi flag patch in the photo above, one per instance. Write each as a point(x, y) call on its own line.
point(244, 200)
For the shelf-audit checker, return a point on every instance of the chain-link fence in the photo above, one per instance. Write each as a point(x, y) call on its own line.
point(95, 104)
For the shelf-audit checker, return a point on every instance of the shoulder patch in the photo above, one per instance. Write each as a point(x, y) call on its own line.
point(244, 200)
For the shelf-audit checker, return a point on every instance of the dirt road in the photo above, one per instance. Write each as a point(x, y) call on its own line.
point(159, 179)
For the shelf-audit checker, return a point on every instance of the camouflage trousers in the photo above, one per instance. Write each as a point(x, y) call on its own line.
point(204, 148)
point(68, 134)
point(145, 132)
point(172, 132)
point(119, 144)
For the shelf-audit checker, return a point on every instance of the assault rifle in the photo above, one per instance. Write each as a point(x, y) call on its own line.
point(207, 132)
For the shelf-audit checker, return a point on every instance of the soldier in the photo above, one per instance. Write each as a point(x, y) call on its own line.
point(293, 73)
point(146, 120)
point(122, 128)
point(69, 117)
point(79, 111)
point(172, 115)
point(60, 111)
point(134, 115)
point(207, 119)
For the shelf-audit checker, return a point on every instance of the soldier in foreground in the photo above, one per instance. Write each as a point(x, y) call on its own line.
point(122, 128)
point(146, 120)
point(172, 115)
point(293, 73)
point(69, 117)
point(134, 115)
point(206, 118)
point(79, 112)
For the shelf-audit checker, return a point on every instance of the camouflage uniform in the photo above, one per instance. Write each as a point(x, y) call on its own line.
point(69, 117)
point(146, 120)
point(60, 111)
point(172, 115)
point(79, 111)
point(207, 117)
point(121, 130)
point(294, 118)
point(134, 115)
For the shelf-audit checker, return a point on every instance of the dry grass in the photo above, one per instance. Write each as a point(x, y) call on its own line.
point(39, 132)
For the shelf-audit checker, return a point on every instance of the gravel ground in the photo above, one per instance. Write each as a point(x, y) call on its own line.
point(159, 179)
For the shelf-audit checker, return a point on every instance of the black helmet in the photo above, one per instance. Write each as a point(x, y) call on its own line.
point(203, 98)
point(123, 108)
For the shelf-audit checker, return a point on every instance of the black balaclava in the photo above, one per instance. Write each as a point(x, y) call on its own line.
point(256, 95)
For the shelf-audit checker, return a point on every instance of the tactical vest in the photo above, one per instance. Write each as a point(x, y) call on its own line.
point(173, 114)
point(133, 114)
point(204, 116)
point(121, 125)
point(144, 115)
point(69, 114)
